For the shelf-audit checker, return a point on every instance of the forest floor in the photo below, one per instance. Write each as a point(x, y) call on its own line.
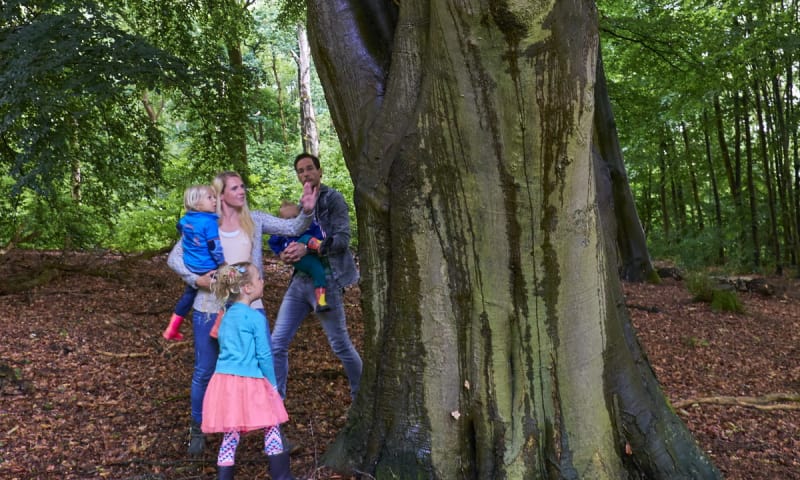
point(89, 389)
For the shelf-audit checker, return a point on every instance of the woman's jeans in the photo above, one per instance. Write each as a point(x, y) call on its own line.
point(206, 350)
point(298, 302)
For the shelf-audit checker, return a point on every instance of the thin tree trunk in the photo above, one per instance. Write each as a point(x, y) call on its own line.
point(698, 206)
point(676, 185)
point(234, 131)
point(786, 185)
point(281, 113)
point(664, 176)
point(732, 169)
point(715, 191)
point(792, 126)
point(734, 183)
point(76, 177)
point(737, 173)
point(76, 181)
point(648, 199)
point(152, 113)
point(774, 239)
point(779, 171)
point(308, 119)
point(751, 188)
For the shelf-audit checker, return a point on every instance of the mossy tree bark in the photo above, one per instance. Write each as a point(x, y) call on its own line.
point(497, 344)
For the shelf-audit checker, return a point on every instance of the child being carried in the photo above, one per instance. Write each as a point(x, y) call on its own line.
point(311, 265)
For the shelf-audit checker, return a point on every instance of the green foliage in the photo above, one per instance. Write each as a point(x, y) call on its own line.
point(74, 141)
point(667, 64)
point(695, 342)
point(692, 250)
point(60, 224)
point(108, 110)
point(149, 224)
point(70, 81)
point(705, 289)
point(726, 301)
point(291, 12)
point(701, 286)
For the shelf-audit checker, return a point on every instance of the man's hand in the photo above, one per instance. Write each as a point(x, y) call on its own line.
point(309, 198)
point(294, 252)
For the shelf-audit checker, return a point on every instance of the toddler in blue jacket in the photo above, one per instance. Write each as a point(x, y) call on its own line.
point(202, 250)
point(310, 265)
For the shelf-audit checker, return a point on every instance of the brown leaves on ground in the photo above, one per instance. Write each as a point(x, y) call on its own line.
point(90, 390)
point(698, 353)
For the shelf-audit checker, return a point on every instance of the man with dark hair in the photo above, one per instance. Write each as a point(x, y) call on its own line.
point(299, 300)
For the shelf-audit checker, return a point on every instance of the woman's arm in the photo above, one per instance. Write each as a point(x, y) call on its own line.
point(290, 227)
point(175, 262)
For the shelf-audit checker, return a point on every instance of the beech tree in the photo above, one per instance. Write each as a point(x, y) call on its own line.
point(497, 344)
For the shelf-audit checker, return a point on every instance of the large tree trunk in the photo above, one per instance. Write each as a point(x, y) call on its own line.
point(496, 344)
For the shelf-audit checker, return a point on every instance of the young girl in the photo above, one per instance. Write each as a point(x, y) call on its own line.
point(241, 395)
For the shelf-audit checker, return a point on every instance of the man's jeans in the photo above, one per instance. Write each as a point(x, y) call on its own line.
point(298, 302)
point(206, 350)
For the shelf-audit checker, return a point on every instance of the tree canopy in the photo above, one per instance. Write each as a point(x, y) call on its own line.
point(110, 109)
point(705, 97)
point(107, 106)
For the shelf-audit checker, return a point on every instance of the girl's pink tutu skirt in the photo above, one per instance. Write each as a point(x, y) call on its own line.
point(234, 403)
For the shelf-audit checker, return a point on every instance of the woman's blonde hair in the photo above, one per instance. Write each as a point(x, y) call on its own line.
point(230, 279)
point(245, 220)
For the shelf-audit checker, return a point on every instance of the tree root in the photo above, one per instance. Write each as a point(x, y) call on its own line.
point(791, 401)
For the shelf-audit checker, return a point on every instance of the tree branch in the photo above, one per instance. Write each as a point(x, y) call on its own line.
point(123, 355)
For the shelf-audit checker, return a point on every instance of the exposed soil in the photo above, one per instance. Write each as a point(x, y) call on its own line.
point(89, 389)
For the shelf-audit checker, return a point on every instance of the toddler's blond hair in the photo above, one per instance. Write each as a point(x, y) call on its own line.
point(193, 195)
